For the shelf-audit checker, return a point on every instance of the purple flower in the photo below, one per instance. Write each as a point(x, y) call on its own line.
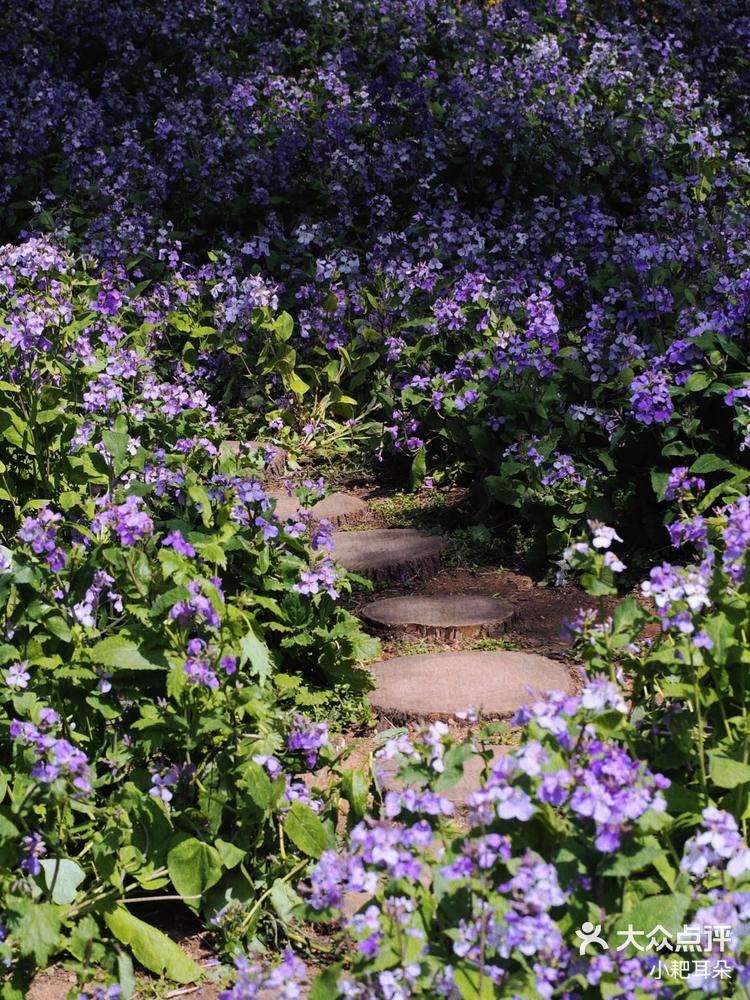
point(681, 484)
point(162, 784)
point(309, 737)
point(40, 534)
point(128, 519)
point(17, 676)
point(650, 401)
point(55, 758)
point(35, 848)
point(176, 541)
point(108, 302)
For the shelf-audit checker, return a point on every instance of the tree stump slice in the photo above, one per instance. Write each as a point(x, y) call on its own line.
point(443, 616)
point(496, 684)
point(340, 508)
point(286, 506)
point(388, 553)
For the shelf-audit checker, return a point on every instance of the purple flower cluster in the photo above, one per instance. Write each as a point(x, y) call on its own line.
point(719, 846)
point(681, 484)
point(40, 533)
point(128, 519)
point(85, 610)
point(307, 738)
point(679, 594)
point(650, 400)
point(55, 757)
point(198, 608)
point(322, 577)
point(285, 981)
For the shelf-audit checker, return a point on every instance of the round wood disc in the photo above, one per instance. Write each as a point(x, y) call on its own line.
point(442, 684)
point(286, 506)
point(445, 616)
point(340, 508)
point(388, 553)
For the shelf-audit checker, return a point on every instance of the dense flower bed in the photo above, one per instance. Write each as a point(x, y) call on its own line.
point(511, 237)
point(505, 243)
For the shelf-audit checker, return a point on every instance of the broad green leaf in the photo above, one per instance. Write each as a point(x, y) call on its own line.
point(472, 985)
point(726, 772)
point(229, 854)
point(697, 382)
point(193, 867)
point(153, 949)
point(634, 860)
point(418, 469)
point(258, 784)
point(255, 652)
point(325, 984)
point(627, 613)
point(305, 830)
point(296, 384)
point(62, 878)
point(284, 899)
point(284, 326)
point(116, 443)
point(125, 975)
point(667, 911)
point(119, 652)
point(709, 463)
point(38, 930)
point(354, 788)
point(453, 766)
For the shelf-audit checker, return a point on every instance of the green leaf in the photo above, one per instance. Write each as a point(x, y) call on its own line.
point(255, 652)
point(665, 910)
point(659, 481)
point(258, 785)
point(453, 766)
point(627, 614)
point(284, 326)
point(38, 930)
point(118, 652)
point(326, 984)
point(634, 860)
point(726, 772)
point(305, 830)
point(354, 788)
point(284, 899)
point(471, 985)
point(116, 443)
point(152, 948)
point(229, 854)
point(125, 975)
point(418, 469)
point(62, 878)
point(697, 382)
point(296, 384)
point(709, 463)
point(193, 867)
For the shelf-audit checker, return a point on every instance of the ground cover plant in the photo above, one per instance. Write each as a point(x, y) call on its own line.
point(496, 245)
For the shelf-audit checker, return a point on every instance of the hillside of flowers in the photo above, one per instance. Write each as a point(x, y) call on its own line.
point(495, 245)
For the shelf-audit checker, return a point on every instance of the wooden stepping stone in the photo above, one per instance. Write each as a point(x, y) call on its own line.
point(442, 684)
point(340, 508)
point(443, 616)
point(388, 553)
point(286, 506)
point(275, 467)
